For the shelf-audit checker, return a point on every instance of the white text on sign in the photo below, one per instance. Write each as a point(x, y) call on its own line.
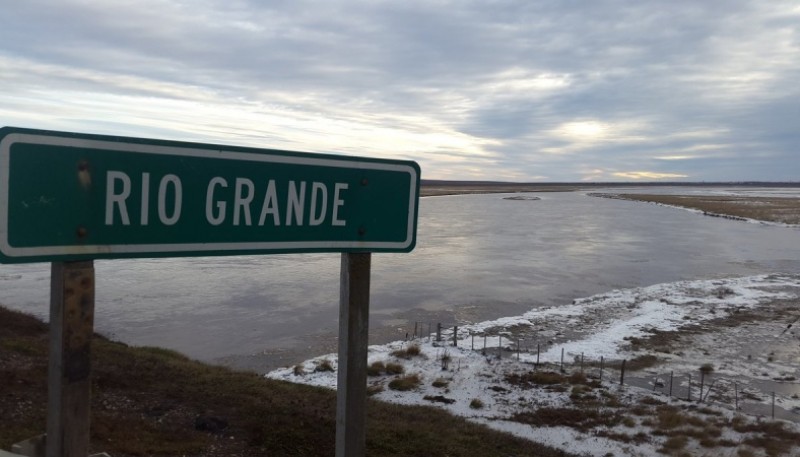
point(305, 203)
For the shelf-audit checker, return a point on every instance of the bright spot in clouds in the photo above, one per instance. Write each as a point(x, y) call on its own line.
point(585, 130)
point(648, 175)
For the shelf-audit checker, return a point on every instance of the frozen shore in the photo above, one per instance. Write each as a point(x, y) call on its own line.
point(732, 332)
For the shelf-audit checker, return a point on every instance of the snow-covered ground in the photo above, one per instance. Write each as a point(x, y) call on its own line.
point(737, 328)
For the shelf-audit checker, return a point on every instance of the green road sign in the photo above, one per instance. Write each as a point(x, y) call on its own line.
point(67, 196)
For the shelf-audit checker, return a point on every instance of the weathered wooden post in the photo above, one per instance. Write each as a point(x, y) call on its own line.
point(351, 394)
point(69, 385)
point(671, 374)
point(773, 405)
point(455, 335)
point(601, 368)
point(689, 393)
point(622, 372)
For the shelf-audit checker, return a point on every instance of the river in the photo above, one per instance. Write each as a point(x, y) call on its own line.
point(478, 257)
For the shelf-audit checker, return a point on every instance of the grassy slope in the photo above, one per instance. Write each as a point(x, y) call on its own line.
point(145, 402)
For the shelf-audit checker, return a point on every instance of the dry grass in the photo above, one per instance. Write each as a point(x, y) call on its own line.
point(772, 209)
point(405, 383)
point(535, 378)
point(394, 369)
point(412, 350)
point(376, 368)
point(145, 402)
point(435, 188)
point(324, 366)
point(578, 418)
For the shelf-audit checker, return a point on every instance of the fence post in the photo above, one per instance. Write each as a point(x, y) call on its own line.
point(415, 330)
point(702, 378)
point(773, 405)
point(473, 340)
point(517, 349)
point(438, 331)
point(455, 335)
point(581, 362)
point(670, 382)
point(689, 395)
point(562, 360)
point(601, 368)
point(622, 373)
point(499, 346)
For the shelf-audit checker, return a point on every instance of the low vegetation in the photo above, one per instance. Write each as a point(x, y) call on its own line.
point(412, 350)
point(771, 209)
point(156, 402)
point(405, 383)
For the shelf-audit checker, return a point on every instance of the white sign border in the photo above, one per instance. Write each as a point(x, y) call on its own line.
point(199, 248)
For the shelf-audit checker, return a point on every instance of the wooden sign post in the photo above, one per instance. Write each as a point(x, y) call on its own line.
point(351, 399)
point(69, 386)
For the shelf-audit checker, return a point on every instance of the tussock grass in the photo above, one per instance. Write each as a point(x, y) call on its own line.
point(405, 383)
point(577, 418)
point(673, 443)
point(669, 417)
point(412, 350)
point(145, 402)
point(376, 368)
point(394, 369)
point(535, 378)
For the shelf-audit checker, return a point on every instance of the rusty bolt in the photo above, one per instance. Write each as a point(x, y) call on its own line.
point(81, 232)
point(361, 231)
point(364, 181)
point(83, 165)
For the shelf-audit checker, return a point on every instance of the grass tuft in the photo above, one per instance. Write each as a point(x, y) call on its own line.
point(405, 383)
point(394, 369)
point(376, 368)
point(324, 366)
point(412, 350)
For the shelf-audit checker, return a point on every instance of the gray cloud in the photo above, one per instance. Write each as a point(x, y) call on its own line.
point(517, 90)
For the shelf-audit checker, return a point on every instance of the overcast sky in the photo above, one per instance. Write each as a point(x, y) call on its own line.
point(528, 90)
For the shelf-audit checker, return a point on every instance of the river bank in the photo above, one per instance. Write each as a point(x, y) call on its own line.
point(709, 364)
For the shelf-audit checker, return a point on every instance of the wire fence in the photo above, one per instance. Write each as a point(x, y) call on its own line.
point(702, 386)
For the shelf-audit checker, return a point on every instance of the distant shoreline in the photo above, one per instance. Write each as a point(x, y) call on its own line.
point(431, 188)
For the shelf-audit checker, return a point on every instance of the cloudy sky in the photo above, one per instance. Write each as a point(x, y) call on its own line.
point(516, 90)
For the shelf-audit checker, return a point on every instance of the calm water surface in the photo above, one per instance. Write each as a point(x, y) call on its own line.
point(478, 257)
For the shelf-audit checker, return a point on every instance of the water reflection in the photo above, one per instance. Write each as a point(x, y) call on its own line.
point(478, 257)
